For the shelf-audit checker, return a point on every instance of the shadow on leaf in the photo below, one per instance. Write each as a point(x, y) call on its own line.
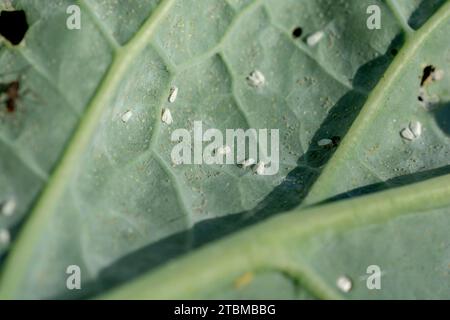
point(442, 116)
point(391, 183)
point(425, 10)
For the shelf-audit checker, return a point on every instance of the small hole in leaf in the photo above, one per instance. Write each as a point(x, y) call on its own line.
point(394, 52)
point(420, 98)
point(427, 72)
point(297, 32)
point(13, 25)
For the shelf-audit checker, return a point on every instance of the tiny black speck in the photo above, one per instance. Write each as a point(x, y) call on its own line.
point(297, 32)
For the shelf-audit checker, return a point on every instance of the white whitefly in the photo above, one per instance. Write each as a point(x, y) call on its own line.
point(260, 168)
point(407, 134)
point(344, 284)
point(177, 162)
point(416, 128)
point(324, 142)
point(412, 132)
point(248, 163)
point(173, 94)
point(5, 237)
point(315, 38)
point(256, 79)
point(166, 116)
point(223, 150)
point(8, 207)
point(127, 116)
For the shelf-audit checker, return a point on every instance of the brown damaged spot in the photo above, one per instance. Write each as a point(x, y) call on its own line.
point(12, 95)
point(243, 280)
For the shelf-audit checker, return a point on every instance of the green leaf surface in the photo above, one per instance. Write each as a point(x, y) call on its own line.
point(102, 194)
point(370, 159)
point(403, 231)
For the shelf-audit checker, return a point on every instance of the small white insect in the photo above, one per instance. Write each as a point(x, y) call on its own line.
point(8, 207)
point(407, 134)
point(248, 163)
point(127, 116)
point(260, 168)
point(416, 128)
point(177, 162)
point(324, 142)
point(315, 38)
point(223, 150)
point(256, 79)
point(412, 132)
point(344, 284)
point(173, 94)
point(166, 116)
point(5, 237)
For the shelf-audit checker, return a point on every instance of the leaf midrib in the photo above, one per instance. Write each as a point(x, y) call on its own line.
point(21, 251)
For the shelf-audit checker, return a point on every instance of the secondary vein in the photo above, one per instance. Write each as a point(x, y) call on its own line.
point(399, 16)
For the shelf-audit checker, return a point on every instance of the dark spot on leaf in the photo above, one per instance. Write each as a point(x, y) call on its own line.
point(420, 98)
point(11, 90)
point(13, 25)
point(394, 52)
point(297, 32)
point(427, 72)
point(336, 140)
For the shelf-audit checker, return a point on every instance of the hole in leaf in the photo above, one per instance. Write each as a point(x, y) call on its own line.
point(427, 72)
point(297, 32)
point(394, 52)
point(13, 25)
